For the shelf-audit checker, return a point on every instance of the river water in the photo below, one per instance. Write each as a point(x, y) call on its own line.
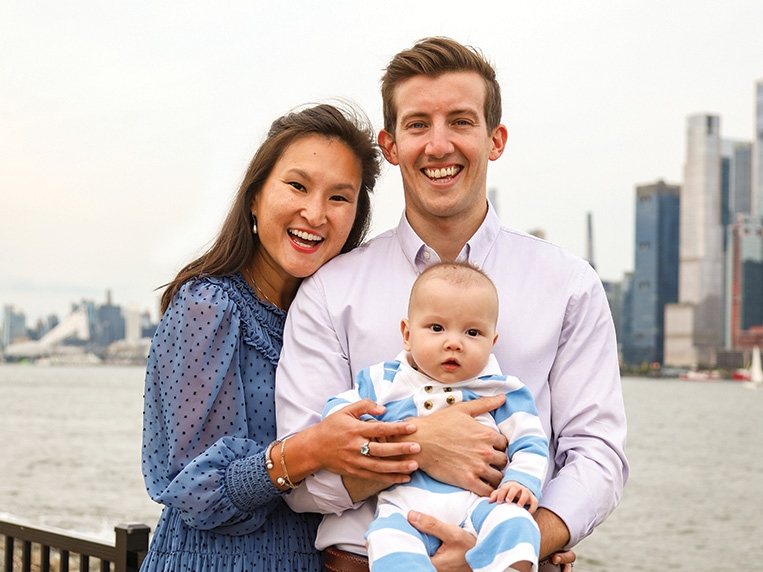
point(70, 459)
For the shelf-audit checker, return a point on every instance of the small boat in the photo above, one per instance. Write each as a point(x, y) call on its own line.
point(756, 372)
point(700, 375)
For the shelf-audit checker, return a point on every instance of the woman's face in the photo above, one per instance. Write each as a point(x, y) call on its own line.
point(307, 206)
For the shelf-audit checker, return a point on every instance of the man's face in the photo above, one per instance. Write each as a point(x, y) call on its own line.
point(442, 146)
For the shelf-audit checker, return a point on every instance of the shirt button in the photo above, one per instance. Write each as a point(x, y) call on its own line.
point(428, 388)
point(427, 404)
point(451, 400)
point(427, 255)
point(447, 389)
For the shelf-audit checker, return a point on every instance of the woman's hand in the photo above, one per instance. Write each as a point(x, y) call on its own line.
point(458, 450)
point(336, 444)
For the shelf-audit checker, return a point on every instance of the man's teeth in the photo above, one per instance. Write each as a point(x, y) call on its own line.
point(305, 235)
point(442, 173)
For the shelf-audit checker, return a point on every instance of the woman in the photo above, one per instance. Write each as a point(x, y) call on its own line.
point(209, 453)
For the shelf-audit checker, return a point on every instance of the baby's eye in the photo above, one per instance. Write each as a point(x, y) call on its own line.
point(436, 328)
point(473, 333)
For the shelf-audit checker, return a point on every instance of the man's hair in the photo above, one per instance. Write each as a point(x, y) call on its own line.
point(433, 57)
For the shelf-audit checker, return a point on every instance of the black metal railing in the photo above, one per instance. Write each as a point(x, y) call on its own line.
point(28, 549)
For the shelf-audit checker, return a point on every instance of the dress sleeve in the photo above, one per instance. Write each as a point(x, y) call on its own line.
point(197, 454)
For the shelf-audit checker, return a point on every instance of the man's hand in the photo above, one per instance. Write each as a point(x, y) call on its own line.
point(451, 556)
point(458, 450)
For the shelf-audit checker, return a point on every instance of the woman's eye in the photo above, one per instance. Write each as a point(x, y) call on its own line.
point(340, 198)
point(297, 186)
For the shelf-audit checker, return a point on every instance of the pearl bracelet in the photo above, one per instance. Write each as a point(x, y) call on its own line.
point(268, 461)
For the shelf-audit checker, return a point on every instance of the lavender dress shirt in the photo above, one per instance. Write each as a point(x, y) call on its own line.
point(555, 334)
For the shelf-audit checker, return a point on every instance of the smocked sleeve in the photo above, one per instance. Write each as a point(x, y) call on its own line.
point(198, 456)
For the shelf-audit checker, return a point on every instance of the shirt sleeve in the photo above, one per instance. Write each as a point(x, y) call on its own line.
point(311, 351)
point(197, 454)
point(587, 415)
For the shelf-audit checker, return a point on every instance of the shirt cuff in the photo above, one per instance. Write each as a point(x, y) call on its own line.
point(322, 492)
point(570, 501)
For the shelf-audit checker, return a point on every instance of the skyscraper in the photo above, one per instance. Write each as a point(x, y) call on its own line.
point(757, 161)
point(655, 277)
point(744, 281)
point(736, 182)
point(694, 327)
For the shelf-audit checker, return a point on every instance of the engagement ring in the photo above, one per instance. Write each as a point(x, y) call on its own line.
point(364, 450)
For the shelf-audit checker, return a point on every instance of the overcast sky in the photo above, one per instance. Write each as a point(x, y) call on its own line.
point(125, 127)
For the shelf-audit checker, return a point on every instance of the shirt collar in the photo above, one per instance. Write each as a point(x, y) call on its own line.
point(475, 251)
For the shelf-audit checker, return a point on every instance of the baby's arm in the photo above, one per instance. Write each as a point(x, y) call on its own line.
point(512, 491)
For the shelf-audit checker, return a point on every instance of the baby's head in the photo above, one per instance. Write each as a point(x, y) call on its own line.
point(452, 317)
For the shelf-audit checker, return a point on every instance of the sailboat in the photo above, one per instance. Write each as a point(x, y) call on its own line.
point(756, 373)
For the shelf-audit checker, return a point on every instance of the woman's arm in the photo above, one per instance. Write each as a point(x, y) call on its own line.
point(195, 434)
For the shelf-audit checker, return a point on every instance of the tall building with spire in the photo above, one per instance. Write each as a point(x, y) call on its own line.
point(694, 326)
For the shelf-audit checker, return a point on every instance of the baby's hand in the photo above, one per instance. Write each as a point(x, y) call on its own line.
point(516, 493)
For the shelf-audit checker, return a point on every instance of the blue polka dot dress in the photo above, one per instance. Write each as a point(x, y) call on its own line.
point(208, 416)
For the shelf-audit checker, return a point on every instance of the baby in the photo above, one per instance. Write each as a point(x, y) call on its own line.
point(448, 339)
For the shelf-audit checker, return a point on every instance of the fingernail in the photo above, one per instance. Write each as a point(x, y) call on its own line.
point(413, 515)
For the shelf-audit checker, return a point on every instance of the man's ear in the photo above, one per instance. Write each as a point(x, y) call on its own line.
point(387, 144)
point(499, 136)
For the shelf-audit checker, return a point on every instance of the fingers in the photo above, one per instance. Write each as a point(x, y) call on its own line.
point(566, 557)
point(364, 407)
point(479, 487)
point(492, 477)
point(483, 404)
point(383, 450)
point(449, 534)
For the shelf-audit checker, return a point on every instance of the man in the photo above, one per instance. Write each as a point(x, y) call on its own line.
point(442, 112)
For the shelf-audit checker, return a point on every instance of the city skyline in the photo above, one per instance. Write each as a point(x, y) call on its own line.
point(125, 133)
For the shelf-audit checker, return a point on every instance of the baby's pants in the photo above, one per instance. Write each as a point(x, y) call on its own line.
point(506, 533)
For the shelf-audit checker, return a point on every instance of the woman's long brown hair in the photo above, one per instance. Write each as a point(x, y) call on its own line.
point(235, 245)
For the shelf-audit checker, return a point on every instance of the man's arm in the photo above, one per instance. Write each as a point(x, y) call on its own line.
point(554, 535)
point(588, 423)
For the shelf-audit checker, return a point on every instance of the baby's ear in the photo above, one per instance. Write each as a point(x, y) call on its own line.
point(406, 331)
point(495, 339)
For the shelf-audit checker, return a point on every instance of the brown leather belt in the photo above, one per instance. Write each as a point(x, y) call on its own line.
point(335, 560)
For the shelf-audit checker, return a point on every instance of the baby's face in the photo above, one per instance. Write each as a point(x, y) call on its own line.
point(450, 331)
